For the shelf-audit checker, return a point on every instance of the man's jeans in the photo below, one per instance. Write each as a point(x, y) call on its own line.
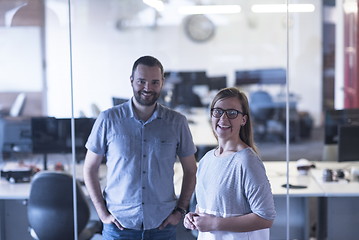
point(111, 232)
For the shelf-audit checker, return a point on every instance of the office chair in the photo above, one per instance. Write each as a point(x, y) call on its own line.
point(50, 208)
point(262, 109)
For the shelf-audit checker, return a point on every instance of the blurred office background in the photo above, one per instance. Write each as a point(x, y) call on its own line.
point(53, 64)
point(264, 51)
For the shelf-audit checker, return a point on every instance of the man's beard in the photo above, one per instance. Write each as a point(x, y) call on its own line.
point(146, 101)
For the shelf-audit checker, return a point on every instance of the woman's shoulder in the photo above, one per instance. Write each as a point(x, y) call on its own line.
point(207, 157)
point(248, 152)
point(248, 156)
point(208, 154)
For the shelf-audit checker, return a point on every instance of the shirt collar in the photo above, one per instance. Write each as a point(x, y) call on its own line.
point(157, 114)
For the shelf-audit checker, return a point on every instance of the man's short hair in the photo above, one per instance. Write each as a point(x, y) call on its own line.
point(147, 61)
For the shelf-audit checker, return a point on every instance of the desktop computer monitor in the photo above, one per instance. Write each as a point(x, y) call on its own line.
point(334, 119)
point(53, 135)
point(186, 77)
point(183, 82)
point(261, 76)
point(348, 143)
point(83, 127)
point(45, 135)
point(217, 83)
point(193, 77)
point(15, 137)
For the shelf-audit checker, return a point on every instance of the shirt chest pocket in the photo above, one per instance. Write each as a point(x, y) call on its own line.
point(121, 146)
point(166, 149)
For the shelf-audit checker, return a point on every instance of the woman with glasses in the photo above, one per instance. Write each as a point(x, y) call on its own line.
point(234, 198)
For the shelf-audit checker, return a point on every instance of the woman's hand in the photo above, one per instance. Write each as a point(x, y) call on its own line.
point(188, 221)
point(205, 222)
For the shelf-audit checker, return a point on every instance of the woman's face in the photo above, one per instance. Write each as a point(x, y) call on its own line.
point(227, 128)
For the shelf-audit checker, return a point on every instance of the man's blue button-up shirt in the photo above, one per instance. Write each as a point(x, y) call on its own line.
point(140, 157)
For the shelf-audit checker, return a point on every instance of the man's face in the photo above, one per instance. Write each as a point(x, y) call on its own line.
point(147, 83)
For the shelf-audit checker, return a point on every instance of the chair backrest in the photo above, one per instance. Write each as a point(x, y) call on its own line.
point(50, 206)
point(261, 105)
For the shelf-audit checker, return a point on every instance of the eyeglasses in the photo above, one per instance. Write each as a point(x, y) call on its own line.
point(230, 113)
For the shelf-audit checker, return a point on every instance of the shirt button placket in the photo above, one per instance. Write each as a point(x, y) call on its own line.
point(144, 166)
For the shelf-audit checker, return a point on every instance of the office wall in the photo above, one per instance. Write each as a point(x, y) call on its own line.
point(102, 55)
point(20, 59)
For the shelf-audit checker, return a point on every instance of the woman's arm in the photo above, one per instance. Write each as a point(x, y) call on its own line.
point(244, 223)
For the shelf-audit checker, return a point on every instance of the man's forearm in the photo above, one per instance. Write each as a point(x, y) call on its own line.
point(188, 185)
point(94, 189)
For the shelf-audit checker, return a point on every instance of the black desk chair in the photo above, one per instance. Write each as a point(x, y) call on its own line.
point(50, 208)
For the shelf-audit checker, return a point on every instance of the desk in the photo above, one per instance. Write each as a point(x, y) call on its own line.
point(21, 191)
point(336, 204)
point(336, 189)
point(300, 200)
point(338, 210)
point(333, 199)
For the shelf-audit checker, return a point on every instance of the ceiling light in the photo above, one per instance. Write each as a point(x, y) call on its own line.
point(282, 8)
point(156, 4)
point(210, 9)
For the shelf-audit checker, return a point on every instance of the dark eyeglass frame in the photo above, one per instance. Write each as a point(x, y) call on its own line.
point(221, 111)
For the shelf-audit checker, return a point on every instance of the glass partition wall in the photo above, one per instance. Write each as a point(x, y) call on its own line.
point(56, 66)
point(34, 48)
